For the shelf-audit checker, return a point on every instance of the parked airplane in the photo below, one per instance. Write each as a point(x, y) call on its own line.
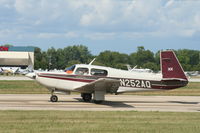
point(16, 70)
point(7, 70)
point(135, 69)
point(99, 80)
point(24, 71)
point(192, 73)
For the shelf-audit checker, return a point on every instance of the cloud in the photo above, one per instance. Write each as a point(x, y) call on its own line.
point(100, 19)
point(57, 35)
point(99, 36)
point(5, 33)
point(48, 35)
point(99, 12)
point(169, 3)
point(71, 34)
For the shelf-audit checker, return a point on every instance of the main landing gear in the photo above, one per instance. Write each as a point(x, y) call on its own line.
point(54, 98)
point(87, 97)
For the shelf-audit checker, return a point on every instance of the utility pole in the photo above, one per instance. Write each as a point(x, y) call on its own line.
point(49, 62)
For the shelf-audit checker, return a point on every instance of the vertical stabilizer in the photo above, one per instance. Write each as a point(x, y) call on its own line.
point(170, 66)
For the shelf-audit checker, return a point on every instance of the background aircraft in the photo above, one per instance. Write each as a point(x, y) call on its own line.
point(16, 70)
point(9, 70)
point(96, 81)
point(135, 69)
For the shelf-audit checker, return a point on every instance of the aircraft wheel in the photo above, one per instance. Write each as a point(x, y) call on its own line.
point(54, 98)
point(86, 97)
point(98, 101)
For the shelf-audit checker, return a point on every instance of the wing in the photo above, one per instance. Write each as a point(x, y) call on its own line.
point(102, 84)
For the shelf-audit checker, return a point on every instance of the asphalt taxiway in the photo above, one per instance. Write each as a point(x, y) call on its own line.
point(112, 103)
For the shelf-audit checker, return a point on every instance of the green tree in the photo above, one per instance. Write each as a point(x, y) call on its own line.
point(52, 58)
point(151, 65)
point(113, 59)
point(72, 62)
point(188, 58)
point(77, 52)
point(40, 59)
point(60, 57)
point(142, 58)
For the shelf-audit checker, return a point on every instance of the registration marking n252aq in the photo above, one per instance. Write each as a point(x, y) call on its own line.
point(135, 83)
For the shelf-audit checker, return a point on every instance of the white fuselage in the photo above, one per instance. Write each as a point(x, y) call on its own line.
point(129, 81)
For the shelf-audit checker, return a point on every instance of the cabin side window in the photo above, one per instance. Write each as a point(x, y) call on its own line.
point(70, 69)
point(99, 72)
point(82, 71)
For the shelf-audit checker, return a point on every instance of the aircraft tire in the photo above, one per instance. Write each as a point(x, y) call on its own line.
point(98, 101)
point(86, 97)
point(54, 98)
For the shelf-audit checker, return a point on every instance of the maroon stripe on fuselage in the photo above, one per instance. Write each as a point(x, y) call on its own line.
point(64, 78)
point(166, 87)
point(92, 76)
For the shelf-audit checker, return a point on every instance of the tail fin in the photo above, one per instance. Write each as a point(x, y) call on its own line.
point(170, 66)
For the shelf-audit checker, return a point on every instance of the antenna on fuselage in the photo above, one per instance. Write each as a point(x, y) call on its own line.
point(92, 61)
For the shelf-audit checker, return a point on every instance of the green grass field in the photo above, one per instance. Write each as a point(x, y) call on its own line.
point(98, 122)
point(21, 87)
point(31, 87)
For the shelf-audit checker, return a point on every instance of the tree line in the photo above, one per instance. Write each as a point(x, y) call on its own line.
point(65, 57)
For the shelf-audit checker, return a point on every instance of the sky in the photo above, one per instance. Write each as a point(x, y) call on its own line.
point(116, 25)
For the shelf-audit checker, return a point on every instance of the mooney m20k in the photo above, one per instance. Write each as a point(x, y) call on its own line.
point(96, 81)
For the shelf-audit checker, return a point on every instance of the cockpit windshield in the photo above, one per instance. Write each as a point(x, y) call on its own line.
point(70, 69)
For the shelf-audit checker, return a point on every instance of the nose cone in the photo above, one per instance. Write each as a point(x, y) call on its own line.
point(31, 75)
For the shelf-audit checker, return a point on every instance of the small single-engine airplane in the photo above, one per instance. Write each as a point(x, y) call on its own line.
point(98, 80)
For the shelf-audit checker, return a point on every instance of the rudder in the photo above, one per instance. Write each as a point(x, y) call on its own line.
point(170, 66)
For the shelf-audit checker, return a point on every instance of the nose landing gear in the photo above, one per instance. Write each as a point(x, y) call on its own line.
point(53, 97)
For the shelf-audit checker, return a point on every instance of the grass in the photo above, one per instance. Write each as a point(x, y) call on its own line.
point(97, 122)
point(21, 87)
point(195, 77)
point(31, 87)
point(192, 89)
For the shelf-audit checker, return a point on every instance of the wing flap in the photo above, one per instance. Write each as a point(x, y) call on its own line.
point(102, 84)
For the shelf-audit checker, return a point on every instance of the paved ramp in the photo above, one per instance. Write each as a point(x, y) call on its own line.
point(113, 103)
point(194, 80)
point(14, 78)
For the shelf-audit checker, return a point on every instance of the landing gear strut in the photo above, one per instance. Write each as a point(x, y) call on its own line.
point(54, 98)
point(86, 97)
